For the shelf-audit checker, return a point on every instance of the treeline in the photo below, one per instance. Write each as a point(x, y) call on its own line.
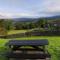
point(17, 25)
point(9, 24)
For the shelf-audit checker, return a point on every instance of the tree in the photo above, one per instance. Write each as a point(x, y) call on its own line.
point(3, 31)
point(9, 25)
point(41, 22)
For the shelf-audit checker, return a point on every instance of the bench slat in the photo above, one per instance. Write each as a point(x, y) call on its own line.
point(28, 42)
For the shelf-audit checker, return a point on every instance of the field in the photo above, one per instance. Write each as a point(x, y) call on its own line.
point(53, 47)
point(16, 31)
point(10, 32)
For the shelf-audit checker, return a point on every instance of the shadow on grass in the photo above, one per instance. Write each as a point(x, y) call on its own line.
point(54, 51)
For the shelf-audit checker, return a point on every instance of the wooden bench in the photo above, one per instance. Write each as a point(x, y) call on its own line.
point(28, 49)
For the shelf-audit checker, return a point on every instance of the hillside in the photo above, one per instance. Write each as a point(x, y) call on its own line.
point(36, 19)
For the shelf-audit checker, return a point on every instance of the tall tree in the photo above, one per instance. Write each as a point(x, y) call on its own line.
point(3, 30)
point(9, 25)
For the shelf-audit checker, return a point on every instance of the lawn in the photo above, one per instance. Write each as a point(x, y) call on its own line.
point(16, 31)
point(10, 32)
point(53, 47)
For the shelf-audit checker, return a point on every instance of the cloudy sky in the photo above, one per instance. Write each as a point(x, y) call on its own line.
point(29, 8)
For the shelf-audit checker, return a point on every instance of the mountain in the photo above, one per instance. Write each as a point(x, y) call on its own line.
point(31, 19)
point(35, 19)
point(25, 19)
point(53, 17)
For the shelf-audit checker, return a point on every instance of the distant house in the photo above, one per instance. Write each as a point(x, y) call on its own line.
point(54, 23)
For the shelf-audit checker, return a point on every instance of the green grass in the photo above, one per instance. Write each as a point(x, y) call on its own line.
point(53, 47)
point(16, 31)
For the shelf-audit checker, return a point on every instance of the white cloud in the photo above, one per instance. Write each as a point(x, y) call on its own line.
point(15, 15)
point(52, 5)
point(46, 8)
point(49, 8)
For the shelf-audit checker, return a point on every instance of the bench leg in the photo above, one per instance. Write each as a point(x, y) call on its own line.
point(7, 58)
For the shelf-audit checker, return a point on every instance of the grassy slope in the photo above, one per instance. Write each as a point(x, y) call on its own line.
point(54, 45)
point(16, 31)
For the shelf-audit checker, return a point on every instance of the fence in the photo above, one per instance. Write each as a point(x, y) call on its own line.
point(45, 33)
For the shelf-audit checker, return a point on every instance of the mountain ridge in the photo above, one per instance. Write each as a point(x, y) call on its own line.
point(32, 19)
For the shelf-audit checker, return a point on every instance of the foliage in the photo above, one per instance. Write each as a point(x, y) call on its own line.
point(3, 30)
point(9, 24)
